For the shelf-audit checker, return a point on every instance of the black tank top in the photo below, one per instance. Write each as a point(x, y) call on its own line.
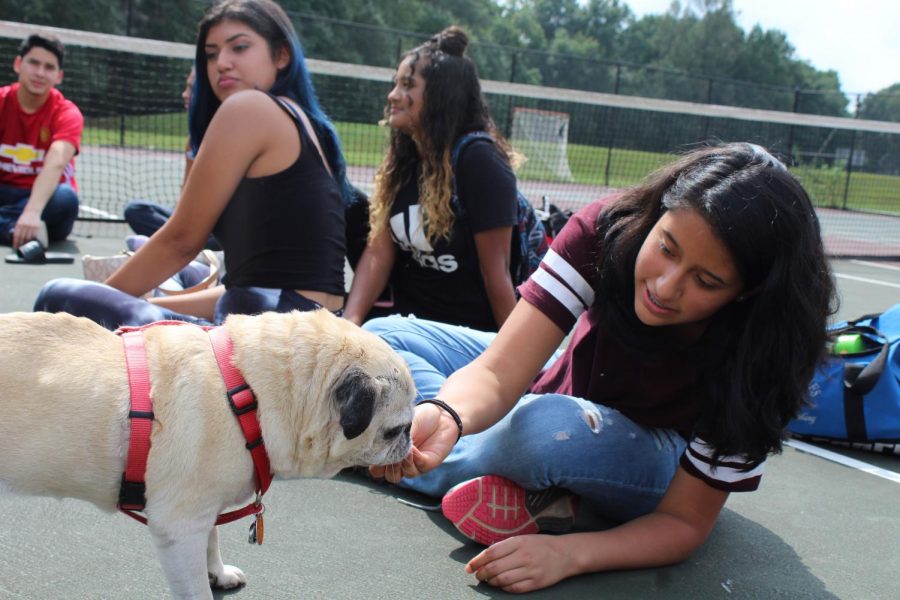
point(286, 230)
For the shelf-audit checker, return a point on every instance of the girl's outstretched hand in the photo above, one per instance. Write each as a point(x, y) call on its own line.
point(434, 433)
point(524, 563)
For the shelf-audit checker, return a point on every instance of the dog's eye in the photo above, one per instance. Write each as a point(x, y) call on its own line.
point(396, 431)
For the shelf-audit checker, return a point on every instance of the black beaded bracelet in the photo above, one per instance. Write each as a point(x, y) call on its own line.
point(450, 411)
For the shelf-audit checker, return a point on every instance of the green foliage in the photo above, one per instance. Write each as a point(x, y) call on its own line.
point(882, 150)
point(547, 42)
point(694, 52)
point(883, 105)
point(89, 15)
point(173, 20)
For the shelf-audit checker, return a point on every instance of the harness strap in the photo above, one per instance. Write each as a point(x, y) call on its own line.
point(253, 508)
point(243, 404)
point(132, 490)
point(240, 397)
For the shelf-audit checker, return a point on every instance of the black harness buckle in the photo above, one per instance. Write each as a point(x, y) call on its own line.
point(132, 494)
point(234, 392)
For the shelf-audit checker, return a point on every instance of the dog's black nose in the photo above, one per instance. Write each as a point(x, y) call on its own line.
point(394, 432)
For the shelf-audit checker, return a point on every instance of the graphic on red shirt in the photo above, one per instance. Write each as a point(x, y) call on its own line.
point(25, 138)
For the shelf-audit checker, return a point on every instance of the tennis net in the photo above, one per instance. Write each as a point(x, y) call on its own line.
point(135, 131)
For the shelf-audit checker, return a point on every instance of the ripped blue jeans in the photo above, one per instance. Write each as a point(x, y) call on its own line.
point(619, 468)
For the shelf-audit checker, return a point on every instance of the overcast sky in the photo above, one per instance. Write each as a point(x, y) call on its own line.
point(860, 39)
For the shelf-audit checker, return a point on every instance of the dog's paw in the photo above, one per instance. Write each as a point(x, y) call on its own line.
point(229, 578)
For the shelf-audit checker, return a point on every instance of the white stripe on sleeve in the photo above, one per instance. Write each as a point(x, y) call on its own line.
point(564, 295)
point(727, 468)
point(571, 276)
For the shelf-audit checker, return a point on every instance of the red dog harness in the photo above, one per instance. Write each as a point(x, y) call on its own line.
point(240, 398)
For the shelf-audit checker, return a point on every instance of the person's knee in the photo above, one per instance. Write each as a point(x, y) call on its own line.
point(53, 295)
point(393, 330)
point(554, 418)
point(61, 212)
point(66, 199)
point(138, 209)
point(79, 297)
point(145, 217)
point(133, 210)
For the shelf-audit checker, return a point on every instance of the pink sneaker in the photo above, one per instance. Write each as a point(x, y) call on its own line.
point(491, 508)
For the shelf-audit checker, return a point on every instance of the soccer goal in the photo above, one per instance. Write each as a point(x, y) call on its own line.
point(542, 136)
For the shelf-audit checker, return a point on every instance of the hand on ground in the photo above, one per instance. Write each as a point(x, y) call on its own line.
point(523, 563)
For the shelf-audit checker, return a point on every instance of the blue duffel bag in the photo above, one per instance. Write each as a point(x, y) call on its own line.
point(854, 396)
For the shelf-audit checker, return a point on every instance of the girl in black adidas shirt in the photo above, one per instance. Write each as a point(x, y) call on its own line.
point(439, 265)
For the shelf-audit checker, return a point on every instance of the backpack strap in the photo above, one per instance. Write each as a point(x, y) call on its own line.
point(458, 147)
point(529, 239)
point(464, 141)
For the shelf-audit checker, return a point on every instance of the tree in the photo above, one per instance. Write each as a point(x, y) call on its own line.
point(882, 149)
point(88, 15)
point(695, 51)
point(172, 20)
point(555, 14)
point(883, 105)
point(606, 21)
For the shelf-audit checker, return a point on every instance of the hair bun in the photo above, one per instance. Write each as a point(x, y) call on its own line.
point(452, 40)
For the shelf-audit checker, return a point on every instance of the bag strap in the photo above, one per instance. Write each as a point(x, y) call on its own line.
point(215, 268)
point(301, 119)
point(464, 141)
point(859, 380)
point(458, 147)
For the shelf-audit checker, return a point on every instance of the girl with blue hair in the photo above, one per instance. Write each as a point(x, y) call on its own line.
point(269, 181)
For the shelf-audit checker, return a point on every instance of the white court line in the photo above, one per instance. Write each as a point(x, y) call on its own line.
point(867, 280)
point(867, 263)
point(844, 460)
point(98, 213)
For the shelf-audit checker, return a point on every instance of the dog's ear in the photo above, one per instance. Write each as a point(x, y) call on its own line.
point(356, 401)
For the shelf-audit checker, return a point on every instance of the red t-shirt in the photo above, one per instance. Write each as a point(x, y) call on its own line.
point(663, 393)
point(25, 138)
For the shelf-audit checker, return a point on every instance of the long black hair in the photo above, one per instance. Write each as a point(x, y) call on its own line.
point(452, 106)
point(758, 353)
point(293, 81)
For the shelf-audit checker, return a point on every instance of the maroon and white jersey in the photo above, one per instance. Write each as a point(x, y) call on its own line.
point(661, 392)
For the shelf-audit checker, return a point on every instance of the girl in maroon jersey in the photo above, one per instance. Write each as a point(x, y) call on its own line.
point(697, 305)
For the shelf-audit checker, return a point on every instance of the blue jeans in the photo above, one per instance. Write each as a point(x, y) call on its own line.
point(145, 218)
point(113, 308)
point(59, 214)
point(619, 468)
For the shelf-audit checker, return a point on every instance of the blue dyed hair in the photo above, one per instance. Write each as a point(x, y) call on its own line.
point(268, 20)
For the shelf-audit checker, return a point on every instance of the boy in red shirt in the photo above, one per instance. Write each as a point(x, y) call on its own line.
point(40, 133)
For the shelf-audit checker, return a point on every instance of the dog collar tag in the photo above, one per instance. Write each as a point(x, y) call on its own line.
point(257, 530)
